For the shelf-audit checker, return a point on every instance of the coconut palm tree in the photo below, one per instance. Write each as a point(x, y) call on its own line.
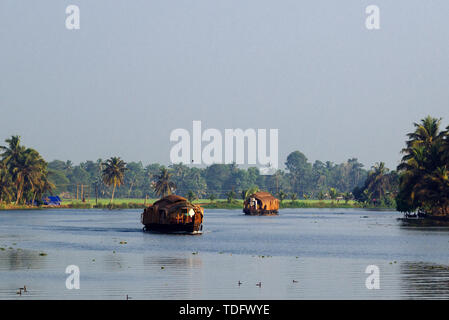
point(424, 169)
point(5, 183)
point(426, 132)
point(12, 151)
point(246, 193)
point(22, 171)
point(434, 188)
point(378, 181)
point(43, 186)
point(113, 173)
point(163, 185)
point(28, 170)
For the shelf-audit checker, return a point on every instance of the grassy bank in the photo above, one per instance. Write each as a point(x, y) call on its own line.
point(207, 204)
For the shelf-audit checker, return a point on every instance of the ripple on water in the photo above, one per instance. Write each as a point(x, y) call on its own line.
point(324, 251)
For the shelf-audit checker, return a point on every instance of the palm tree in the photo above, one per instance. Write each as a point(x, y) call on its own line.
point(424, 169)
point(378, 181)
point(5, 183)
point(12, 151)
point(246, 193)
point(163, 185)
point(43, 186)
point(425, 134)
point(113, 173)
point(27, 171)
point(434, 188)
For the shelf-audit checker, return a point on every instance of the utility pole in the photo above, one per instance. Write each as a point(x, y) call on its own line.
point(96, 192)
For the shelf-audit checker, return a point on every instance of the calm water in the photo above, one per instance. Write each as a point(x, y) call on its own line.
point(325, 250)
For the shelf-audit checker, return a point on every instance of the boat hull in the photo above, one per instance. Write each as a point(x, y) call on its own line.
point(174, 228)
point(261, 212)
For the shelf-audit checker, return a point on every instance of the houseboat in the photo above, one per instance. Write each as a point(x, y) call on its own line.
point(173, 214)
point(261, 203)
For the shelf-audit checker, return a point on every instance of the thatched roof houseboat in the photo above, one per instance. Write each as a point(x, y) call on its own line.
point(261, 203)
point(173, 214)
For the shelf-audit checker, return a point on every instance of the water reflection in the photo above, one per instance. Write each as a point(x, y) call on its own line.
point(113, 262)
point(181, 263)
point(424, 224)
point(325, 251)
point(424, 280)
point(17, 259)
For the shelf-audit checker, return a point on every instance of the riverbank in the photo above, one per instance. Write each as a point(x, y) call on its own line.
point(205, 203)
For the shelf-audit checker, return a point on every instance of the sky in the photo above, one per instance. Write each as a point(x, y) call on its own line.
point(136, 70)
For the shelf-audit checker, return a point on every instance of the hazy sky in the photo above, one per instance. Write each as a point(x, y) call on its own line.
point(138, 69)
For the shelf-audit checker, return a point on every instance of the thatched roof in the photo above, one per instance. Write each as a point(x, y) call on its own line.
point(263, 196)
point(267, 201)
point(173, 198)
point(170, 201)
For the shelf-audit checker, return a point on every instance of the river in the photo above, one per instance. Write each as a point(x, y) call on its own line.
point(300, 254)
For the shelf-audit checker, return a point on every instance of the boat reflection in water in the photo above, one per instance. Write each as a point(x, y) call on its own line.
point(423, 280)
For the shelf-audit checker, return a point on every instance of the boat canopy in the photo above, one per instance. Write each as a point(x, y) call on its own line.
point(172, 202)
point(265, 200)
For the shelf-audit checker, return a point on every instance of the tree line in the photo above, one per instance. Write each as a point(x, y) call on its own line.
point(420, 181)
point(301, 179)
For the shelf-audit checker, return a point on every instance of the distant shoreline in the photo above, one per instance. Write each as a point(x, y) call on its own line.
point(206, 204)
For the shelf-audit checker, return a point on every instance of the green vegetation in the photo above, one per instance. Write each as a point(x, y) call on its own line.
point(163, 185)
point(424, 175)
point(218, 181)
point(380, 188)
point(24, 178)
point(421, 182)
point(113, 173)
